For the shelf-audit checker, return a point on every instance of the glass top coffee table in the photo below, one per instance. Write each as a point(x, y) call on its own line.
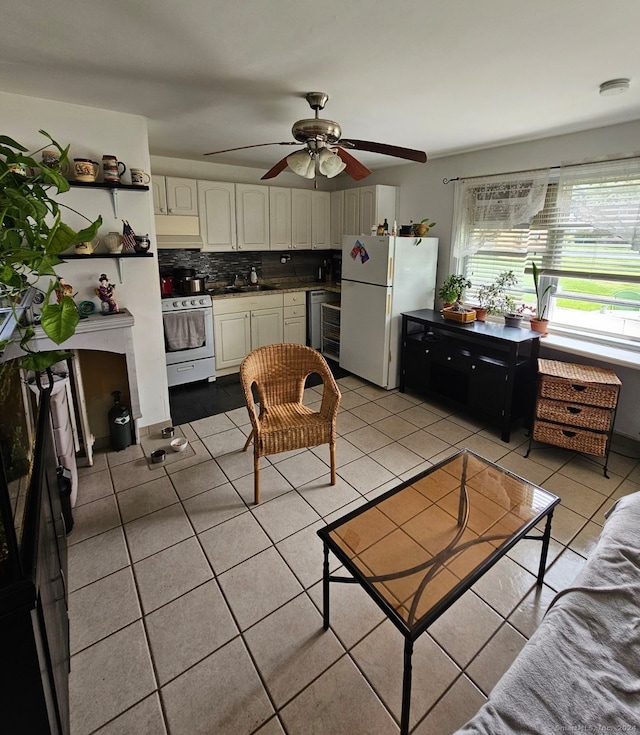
point(417, 548)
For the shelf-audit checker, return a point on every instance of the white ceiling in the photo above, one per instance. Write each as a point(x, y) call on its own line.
point(444, 76)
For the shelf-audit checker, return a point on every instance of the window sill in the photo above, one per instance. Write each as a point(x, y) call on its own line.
point(615, 355)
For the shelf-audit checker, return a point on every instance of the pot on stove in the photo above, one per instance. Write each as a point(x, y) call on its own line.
point(191, 285)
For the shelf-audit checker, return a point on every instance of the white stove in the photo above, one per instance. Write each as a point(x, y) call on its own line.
point(188, 333)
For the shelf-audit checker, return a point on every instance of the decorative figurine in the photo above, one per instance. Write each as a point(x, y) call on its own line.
point(105, 294)
point(63, 289)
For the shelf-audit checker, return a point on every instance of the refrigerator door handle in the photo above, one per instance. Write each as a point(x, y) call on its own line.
point(390, 273)
point(388, 304)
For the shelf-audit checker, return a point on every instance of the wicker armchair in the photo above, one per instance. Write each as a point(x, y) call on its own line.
point(279, 372)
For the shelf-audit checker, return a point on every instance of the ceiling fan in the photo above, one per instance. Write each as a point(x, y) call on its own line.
point(325, 151)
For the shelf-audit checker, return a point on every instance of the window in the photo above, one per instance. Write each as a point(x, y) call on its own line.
point(581, 226)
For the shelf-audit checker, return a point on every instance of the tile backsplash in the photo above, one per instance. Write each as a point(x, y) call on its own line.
point(223, 267)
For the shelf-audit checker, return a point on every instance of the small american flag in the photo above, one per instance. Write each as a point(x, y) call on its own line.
point(128, 236)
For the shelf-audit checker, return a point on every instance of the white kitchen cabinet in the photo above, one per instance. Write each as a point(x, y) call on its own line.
point(174, 195)
point(232, 338)
point(320, 220)
point(217, 207)
point(377, 203)
point(280, 217)
point(252, 216)
point(301, 219)
point(337, 218)
point(295, 318)
point(266, 327)
point(352, 212)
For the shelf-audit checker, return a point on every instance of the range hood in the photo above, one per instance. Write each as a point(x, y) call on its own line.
point(178, 232)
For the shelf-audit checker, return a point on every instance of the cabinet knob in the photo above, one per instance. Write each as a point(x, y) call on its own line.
point(162, 209)
point(426, 352)
point(171, 210)
point(449, 358)
point(473, 367)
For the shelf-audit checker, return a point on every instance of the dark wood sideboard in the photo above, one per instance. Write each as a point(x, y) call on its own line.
point(484, 367)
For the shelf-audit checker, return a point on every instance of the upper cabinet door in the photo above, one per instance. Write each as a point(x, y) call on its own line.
point(320, 220)
point(252, 216)
point(368, 210)
point(159, 189)
point(301, 219)
point(182, 196)
point(217, 207)
point(337, 218)
point(352, 212)
point(280, 217)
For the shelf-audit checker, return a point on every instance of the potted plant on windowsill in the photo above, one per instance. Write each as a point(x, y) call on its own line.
point(452, 289)
point(537, 321)
point(494, 299)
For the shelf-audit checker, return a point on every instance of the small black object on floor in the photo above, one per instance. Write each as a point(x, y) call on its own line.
point(194, 401)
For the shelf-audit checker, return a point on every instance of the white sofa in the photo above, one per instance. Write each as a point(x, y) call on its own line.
point(580, 671)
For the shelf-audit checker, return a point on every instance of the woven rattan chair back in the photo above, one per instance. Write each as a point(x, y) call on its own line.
point(278, 373)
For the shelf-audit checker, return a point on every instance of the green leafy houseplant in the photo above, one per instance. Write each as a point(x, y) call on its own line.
point(421, 229)
point(32, 235)
point(541, 300)
point(453, 288)
point(494, 297)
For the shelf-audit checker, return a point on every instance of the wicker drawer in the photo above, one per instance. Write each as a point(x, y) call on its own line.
point(592, 394)
point(571, 437)
point(588, 417)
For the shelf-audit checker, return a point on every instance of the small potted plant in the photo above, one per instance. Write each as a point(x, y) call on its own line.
point(452, 289)
point(493, 298)
point(420, 229)
point(537, 321)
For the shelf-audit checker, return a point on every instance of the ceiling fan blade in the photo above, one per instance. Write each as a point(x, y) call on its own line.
point(255, 145)
point(275, 170)
point(354, 168)
point(387, 150)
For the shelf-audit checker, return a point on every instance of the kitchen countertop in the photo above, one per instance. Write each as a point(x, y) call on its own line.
point(219, 291)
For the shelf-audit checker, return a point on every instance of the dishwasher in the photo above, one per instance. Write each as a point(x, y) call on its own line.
point(314, 326)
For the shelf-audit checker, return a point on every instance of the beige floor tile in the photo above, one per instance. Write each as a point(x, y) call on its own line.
point(504, 585)
point(574, 496)
point(395, 427)
point(586, 540)
point(188, 629)
point(371, 412)
point(348, 422)
point(519, 436)
point(131, 453)
point(273, 727)
point(285, 515)
point(325, 498)
point(396, 458)
point(188, 432)
point(365, 474)
point(239, 416)
point(258, 586)
point(448, 431)
point(347, 703)
point(552, 457)
point(381, 657)
point(214, 506)
point(353, 614)
point(425, 444)
point(394, 402)
point(302, 551)
point(564, 570)
point(96, 557)
point(155, 441)
point(626, 487)
point(495, 658)
point(281, 456)
point(465, 627)
point(234, 541)
point(222, 694)
point(529, 613)
point(527, 468)
point(93, 519)
point(200, 454)
point(420, 416)
point(239, 464)
point(369, 439)
point(212, 425)
point(493, 451)
point(372, 392)
point(143, 499)
point(345, 452)
point(272, 484)
point(232, 440)
point(157, 531)
point(350, 382)
point(93, 486)
point(566, 524)
point(302, 468)
point(469, 421)
point(352, 400)
point(170, 573)
point(527, 553)
point(198, 478)
point(130, 474)
point(457, 706)
point(108, 678)
point(99, 463)
point(101, 608)
point(291, 649)
point(588, 472)
point(144, 718)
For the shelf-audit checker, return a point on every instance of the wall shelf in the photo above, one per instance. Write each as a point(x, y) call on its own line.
point(113, 188)
point(114, 256)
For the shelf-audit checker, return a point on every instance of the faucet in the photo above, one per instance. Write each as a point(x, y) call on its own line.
point(237, 281)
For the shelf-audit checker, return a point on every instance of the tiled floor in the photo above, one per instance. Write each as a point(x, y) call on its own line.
point(195, 612)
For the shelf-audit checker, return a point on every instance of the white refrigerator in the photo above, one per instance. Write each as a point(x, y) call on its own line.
point(381, 278)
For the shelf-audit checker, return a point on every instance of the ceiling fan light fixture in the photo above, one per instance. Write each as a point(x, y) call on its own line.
point(614, 86)
point(302, 163)
point(330, 164)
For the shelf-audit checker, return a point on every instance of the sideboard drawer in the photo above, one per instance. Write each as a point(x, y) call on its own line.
point(574, 414)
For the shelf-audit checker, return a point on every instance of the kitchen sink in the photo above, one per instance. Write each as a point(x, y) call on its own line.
point(258, 287)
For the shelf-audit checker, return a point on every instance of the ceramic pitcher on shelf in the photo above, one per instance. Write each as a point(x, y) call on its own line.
point(112, 169)
point(113, 241)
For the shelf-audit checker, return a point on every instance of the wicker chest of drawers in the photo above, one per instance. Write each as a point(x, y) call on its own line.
point(575, 407)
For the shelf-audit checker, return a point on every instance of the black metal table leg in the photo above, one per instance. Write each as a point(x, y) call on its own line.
point(325, 588)
point(545, 548)
point(406, 687)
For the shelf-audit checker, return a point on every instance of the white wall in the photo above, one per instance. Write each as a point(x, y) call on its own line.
point(92, 133)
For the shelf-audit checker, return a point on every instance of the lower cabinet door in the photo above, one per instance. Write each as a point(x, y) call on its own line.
point(232, 338)
point(295, 330)
point(266, 327)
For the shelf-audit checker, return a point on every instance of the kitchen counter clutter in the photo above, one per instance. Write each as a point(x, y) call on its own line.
point(222, 291)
